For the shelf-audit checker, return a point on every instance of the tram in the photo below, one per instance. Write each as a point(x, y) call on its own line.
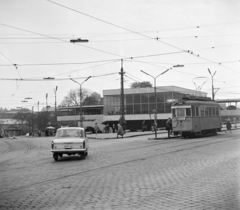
point(194, 116)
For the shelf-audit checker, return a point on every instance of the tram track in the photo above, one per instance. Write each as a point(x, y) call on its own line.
point(118, 163)
point(26, 150)
point(9, 147)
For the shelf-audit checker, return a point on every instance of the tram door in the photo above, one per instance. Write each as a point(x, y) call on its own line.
point(196, 122)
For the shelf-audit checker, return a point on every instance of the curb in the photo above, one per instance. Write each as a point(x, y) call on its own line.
point(96, 138)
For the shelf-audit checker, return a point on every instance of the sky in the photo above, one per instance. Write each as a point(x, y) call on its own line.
point(149, 35)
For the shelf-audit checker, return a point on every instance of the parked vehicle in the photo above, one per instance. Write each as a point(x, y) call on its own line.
point(196, 116)
point(90, 129)
point(70, 141)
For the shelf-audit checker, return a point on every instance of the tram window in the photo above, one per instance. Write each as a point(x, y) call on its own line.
point(173, 112)
point(206, 111)
point(210, 111)
point(193, 111)
point(217, 111)
point(202, 111)
point(188, 112)
point(197, 111)
point(213, 111)
point(180, 112)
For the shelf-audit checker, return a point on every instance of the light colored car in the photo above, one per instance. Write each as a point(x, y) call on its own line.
point(70, 141)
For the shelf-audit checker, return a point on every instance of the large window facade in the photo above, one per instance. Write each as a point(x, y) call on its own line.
point(67, 111)
point(140, 103)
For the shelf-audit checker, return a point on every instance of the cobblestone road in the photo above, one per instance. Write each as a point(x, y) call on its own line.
point(128, 173)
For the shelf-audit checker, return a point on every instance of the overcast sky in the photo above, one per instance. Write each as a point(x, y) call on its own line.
point(150, 35)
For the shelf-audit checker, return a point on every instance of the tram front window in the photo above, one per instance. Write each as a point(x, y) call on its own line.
point(188, 112)
point(180, 112)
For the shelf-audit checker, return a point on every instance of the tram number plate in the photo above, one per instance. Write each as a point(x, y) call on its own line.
point(68, 147)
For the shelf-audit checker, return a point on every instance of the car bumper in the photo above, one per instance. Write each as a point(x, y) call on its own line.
point(72, 151)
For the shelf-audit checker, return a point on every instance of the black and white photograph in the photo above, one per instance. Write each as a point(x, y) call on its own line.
point(114, 105)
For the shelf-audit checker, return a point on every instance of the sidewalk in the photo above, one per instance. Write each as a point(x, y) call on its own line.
point(127, 135)
point(138, 133)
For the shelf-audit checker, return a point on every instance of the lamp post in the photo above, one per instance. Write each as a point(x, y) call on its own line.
point(155, 93)
point(81, 113)
point(212, 75)
point(32, 120)
point(55, 91)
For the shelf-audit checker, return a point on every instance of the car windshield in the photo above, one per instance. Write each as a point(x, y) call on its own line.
point(66, 133)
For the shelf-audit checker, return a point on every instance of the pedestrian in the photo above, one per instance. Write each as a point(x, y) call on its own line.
point(143, 126)
point(39, 133)
point(96, 128)
point(120, 130)
point(113, 128)
point(228, 126)
point(169, 126)
point(107, 128)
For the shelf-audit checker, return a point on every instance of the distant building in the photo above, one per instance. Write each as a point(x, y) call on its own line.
point(10, 126)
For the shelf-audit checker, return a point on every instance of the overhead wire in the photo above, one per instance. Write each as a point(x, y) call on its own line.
point(135, 32)
point(40, 34)
point(89, 62)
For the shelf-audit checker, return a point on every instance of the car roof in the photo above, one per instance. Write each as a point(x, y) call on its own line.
point(71, 128)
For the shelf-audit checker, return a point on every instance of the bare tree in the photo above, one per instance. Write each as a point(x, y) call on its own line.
point(73, 97)
point(141, 84)
point(88, 98)
point(93, 99)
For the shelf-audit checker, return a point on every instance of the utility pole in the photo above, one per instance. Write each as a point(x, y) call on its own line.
point(38, 116)
point(47, 107)
point(46, 101)
point(212, 83)
point(32, 120)
point(122, 120)
point(55, 91)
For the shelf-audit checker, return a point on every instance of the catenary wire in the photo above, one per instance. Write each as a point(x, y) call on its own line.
point(135, 32)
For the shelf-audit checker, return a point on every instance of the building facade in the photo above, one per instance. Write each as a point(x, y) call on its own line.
point(140, 105)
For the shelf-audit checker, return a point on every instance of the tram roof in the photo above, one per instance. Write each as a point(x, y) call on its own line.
point(191, 102)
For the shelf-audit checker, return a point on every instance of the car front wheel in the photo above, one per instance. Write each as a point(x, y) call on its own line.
point(83, 155)
point(55, 156)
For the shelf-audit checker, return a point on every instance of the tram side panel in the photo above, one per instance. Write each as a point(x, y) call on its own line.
point(210, 123)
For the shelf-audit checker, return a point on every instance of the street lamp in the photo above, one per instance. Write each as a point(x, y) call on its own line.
point(212, 75)
point(80, 84)
point(55, 91)
point(155, 92)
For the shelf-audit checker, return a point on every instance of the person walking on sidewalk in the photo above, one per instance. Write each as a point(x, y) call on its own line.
point(120, 130)
point(96, 128)
point(228, 126)
point(169, 126)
